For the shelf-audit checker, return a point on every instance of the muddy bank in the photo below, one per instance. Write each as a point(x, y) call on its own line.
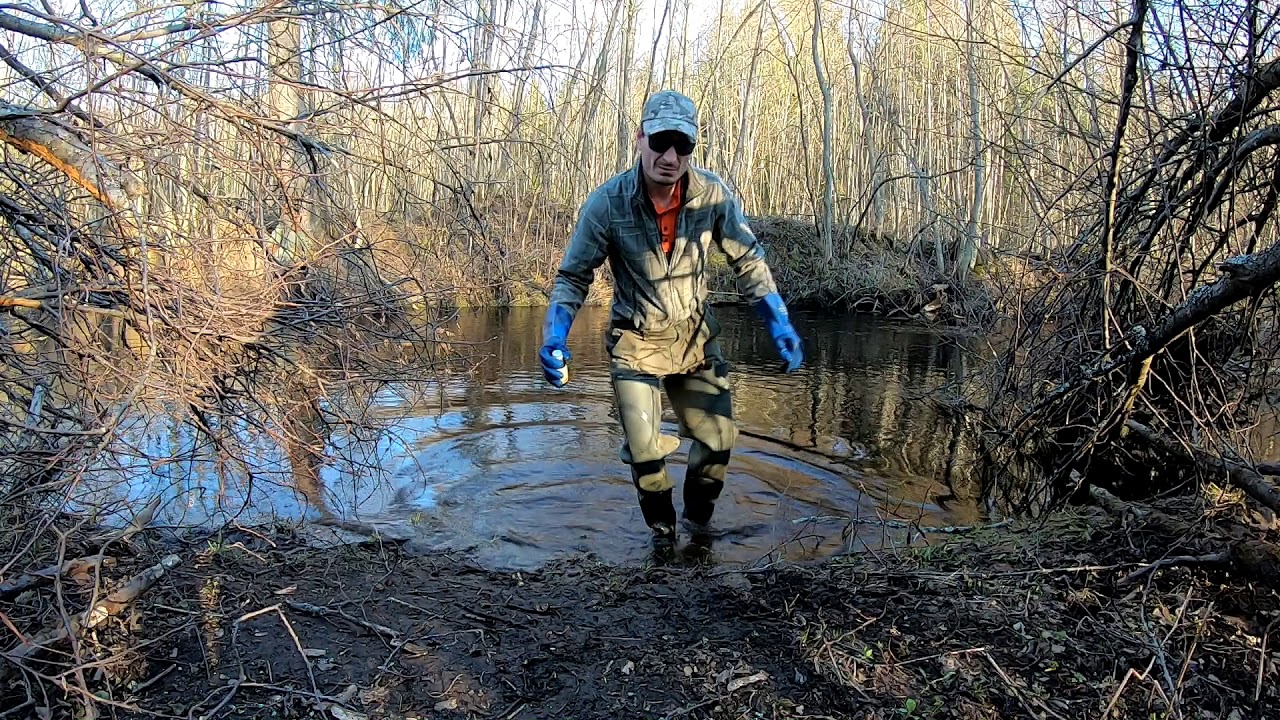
point(1009, 623)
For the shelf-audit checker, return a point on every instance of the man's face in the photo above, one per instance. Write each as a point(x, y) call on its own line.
point(661, 156)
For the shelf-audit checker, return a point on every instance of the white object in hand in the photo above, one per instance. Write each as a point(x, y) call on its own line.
point(563, 371)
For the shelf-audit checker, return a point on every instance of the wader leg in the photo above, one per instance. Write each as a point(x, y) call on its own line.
point(704, 405)
point(645, 448)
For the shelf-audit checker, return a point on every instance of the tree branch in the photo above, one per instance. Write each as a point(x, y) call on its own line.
point(63, 149)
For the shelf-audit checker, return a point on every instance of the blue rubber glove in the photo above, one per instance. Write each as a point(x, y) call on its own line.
point(554, 354)
point(774, 312)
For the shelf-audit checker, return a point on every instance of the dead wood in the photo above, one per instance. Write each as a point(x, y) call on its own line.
point(1242, 476)
point(64, 149)
point(40, 578)
point(1147, 517)
point(1243, 277)
point(1218, 558)
point(95, 616)
point(389, 633)
point(130, 591)
point(1253, 559)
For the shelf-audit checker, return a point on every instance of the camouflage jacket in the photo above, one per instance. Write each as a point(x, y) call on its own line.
point(660, 323)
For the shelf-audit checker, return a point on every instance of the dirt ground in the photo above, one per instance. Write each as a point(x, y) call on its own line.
point(1009, 623)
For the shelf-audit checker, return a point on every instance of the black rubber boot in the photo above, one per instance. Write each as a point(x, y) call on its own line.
point(659, 514)
point(656, 506)
point(702, 486)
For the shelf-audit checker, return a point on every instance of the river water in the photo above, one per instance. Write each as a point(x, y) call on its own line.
point(494, 463)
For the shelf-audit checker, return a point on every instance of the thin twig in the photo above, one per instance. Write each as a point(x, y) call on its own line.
point(232, 687)
point(1016, 691)
point(1262, 664)
point(1209, 559)
point(155, 679)
point(302, 653)
point(391, 634)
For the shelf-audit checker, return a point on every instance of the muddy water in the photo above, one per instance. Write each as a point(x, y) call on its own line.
point(495, 463)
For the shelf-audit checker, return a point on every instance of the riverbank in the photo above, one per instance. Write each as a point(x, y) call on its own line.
point(1015, 622)
point(512, 263)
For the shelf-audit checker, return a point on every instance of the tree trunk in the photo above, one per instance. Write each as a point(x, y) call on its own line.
point(625, 128)
point(969, 249)
point(1111, 184)
point(828, 175)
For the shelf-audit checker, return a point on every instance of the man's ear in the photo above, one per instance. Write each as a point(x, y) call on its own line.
point(639, 137)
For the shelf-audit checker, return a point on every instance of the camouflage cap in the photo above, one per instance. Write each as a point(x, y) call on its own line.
point(670, 110)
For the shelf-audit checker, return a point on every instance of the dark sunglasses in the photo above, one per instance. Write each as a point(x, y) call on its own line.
point(663, 141)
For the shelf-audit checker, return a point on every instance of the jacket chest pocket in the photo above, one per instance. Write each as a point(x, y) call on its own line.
point(638, 251)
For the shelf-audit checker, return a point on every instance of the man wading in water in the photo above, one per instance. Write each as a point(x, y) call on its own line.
point(655, 223)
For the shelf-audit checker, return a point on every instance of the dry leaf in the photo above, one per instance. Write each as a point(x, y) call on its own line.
point(450, 704)
point(346, 695)
point(626, 669)
point(739, 683)
point(287, 591)
point(314, 652)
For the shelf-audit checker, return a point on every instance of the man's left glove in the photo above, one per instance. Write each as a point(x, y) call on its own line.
point(778, 321)
point(554, 354)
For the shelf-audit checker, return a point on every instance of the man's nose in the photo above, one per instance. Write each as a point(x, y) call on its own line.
point(671, 156)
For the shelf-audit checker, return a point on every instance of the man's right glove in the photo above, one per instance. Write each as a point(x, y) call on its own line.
point(554, 354)
point(778, 321)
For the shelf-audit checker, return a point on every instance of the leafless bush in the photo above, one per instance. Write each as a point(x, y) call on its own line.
point(1163, 311)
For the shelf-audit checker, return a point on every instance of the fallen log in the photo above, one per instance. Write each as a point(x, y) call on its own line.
point(1242, 277)
point(64, 149)
point(1251, 558)
point(1242, 476)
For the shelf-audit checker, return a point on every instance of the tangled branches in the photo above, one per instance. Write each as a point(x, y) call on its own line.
point(1165, 312)
point(174, 249)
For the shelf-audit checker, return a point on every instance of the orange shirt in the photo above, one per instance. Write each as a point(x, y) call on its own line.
point(667, 217)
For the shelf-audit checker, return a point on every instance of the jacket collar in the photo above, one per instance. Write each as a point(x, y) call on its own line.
point(695, 184)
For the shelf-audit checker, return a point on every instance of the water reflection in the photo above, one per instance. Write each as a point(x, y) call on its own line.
point(496, 462)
